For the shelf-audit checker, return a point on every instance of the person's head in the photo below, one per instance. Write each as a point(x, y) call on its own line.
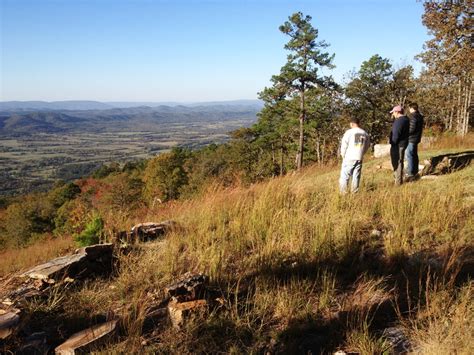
point(354, 122)
point(413, 107)
point(397, 111)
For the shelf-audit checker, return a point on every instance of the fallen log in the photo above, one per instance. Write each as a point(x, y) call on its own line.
point(87, 339)
point(447, 163)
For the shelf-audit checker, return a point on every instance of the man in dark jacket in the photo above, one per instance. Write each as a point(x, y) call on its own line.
point(398, 141)
point(411, 153)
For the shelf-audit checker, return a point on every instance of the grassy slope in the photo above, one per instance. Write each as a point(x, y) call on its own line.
point(298, 267)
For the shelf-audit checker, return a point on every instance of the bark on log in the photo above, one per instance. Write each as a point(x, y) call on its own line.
point(84, 340)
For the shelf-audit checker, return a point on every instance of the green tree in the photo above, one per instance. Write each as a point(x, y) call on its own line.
point(403, 85)
point(63, 193)
point(370, 96)
point(92, 233)
point(275, 127)
point(165, 176)
point(301, 72)
point(448, 57)
point(27, 219)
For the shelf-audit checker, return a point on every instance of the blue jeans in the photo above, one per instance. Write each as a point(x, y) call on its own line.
point(411, 155)
point(350, 168)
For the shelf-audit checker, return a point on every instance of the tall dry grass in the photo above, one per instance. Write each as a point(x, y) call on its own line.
point(299, 267)
point(12, 260)
point(287, 255)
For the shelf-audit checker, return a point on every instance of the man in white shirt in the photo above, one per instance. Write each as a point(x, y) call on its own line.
point(354, 145)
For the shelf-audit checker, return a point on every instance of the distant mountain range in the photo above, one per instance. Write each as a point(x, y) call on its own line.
point(103, 119)
point(77, 105)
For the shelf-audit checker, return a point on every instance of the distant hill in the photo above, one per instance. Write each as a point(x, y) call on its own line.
point(119, 119)
point(76, 105)
point(55, 105)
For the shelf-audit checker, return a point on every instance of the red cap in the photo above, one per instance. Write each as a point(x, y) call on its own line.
point(397, 108)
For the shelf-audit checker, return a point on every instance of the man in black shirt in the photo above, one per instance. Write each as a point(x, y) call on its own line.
point(414, 138)
point(398, 141)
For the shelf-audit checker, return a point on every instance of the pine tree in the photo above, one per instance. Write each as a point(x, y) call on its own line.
point(301, 72)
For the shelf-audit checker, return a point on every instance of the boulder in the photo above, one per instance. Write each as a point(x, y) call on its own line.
point(94, 259)
point(179, 312)
point(85, 340)
point(150, 230)
point(381, 150)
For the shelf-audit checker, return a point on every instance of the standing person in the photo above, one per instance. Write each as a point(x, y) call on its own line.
point(354, 144)
point(398, 141)
point(414, 138)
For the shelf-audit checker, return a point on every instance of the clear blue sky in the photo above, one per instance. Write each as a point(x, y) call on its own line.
point(184, 50)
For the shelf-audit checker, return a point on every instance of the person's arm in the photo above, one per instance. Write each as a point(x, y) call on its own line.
point(420, 126)
point(413, 125)
point(396, 131)
point(344, 144)
point(366, 144)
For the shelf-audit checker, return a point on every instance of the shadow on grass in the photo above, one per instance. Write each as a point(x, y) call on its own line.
point(405, 275)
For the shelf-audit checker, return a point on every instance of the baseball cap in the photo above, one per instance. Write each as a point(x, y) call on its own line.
point(397, 108)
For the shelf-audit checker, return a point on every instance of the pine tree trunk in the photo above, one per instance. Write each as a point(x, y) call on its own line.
point(323, 151)
point(281, 156)
point(299, 157)
point(318, 150)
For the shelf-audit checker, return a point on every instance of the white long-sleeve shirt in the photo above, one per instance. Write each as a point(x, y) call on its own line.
point(354, 144)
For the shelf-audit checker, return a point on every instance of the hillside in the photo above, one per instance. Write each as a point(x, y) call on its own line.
point(294, 267)
point(132, 119)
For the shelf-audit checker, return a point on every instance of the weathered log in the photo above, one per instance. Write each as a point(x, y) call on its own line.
point(189, 287)
point(93, 259)
point(447, 163)
point(9, 320)
point(86, 339)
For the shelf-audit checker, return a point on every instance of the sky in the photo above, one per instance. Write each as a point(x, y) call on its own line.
point(185, 50)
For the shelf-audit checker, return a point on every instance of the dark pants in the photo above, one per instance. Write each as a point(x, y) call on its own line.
point(397, 154)
point(411, 155)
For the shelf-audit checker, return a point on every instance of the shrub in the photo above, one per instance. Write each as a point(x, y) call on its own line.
point(92, 233)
